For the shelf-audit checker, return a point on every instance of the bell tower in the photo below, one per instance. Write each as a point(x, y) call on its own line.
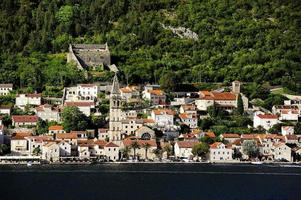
point(115, 124)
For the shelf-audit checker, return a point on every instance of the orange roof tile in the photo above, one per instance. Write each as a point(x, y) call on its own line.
point(25, 118)
point(267, 116)
point(66, 136)
point(55, 128)
point(156, 92)
point(187, 144)
point(164, 112)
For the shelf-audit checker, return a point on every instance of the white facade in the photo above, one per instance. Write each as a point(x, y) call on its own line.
point(219, 152)
point(203, 104)
point(129, 126)
point(111, 151)
point(287, 130)
point(282, 151)
point(189, 119)
point(163, 117)
point(156, 97)
point(28, 99)
point(87, 91)
point(5, 89)
point(48, 113)
point(184, 149)
point(19, 145)
point(5, 110)
point(65, 148)
point(265, 121)
point(51, 152)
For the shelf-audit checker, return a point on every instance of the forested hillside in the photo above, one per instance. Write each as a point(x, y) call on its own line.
point(246, 40)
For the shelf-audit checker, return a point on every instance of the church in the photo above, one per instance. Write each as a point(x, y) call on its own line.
point(121, 126)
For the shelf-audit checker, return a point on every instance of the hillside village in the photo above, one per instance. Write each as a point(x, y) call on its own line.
point(95, 122)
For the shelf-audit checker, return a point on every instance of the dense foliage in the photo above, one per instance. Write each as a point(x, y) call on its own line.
point(246, 40)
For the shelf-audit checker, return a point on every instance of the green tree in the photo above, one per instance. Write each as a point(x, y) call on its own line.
point(168, 149)
point(74, 119)
point(240, 105)
point(4, 149)
point(250, 148)
point(201, 149)
point(298, 128)
point(37, 151)
point(125, 152)
point(42, 127)
point(168, 81)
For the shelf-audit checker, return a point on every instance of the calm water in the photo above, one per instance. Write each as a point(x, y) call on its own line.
point(150, 181)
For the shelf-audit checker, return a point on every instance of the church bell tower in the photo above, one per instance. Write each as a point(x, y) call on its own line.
point(115, 124)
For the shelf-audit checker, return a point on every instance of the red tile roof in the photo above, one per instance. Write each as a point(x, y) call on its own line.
point(79, 103)
point(55, 128)
point(223, 96)
point(128, 142)
point(111, 144)
point(210, 134)
point(230, 135)
point(66, 136)
point(25, 118)
point(156, 92)
point(87, 85)
point(164, 112)
point(20, 136)
point(267, 116)
point(187, 144)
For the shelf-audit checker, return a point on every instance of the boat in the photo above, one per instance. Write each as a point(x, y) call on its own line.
point(29, 164)
point(257, 163)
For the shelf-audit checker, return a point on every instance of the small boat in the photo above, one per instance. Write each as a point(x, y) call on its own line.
point(29, 164)
point(257, 163)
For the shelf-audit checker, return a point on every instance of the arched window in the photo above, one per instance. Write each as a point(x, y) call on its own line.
point(146, 136)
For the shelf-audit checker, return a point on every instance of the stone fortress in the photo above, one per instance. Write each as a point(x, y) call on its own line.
point(90, 56)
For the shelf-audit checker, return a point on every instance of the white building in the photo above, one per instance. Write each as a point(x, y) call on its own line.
point(265, 121)
point(5, 110)
point(65, 148)
point(129, 92)
point(287, 130)
point(55, 129)
point(84, 106)
point(287, 112)
point(28, 99)
point(190, 120)
point(19, 144)
point(129, 126)
point(163, 117)
point(220, 152)
point(24, 120)
point(5, 89)
point(51, 152)
point(111, 151)
point(282, 151)
point(155, 97)
point(48, 113)
point(87, 91)
point(36, 142)
point(183, 149)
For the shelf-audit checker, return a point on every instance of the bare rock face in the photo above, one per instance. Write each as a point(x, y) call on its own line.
point(182, 32)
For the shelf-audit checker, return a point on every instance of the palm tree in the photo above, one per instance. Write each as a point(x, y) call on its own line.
point(125, 152)
point(158, 153)
point(168, 149)
point(146, 146)
point(135, 145)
